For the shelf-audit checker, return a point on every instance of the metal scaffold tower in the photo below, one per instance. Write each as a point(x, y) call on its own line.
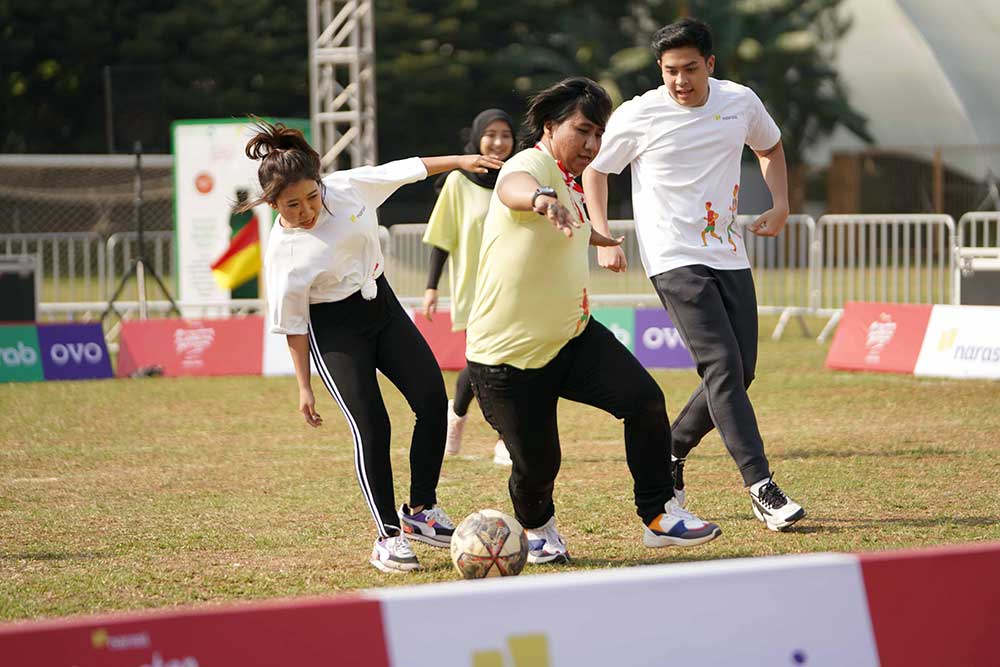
point(342, 81)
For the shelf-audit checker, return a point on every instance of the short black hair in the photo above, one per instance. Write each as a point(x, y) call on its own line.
point(560, 101)
point(681, 33)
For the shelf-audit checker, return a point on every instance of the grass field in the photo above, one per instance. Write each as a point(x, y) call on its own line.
point(133, 494)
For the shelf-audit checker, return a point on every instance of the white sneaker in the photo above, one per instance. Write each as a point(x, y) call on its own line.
point(772, 506)
point(394, 554)
point(678, 527)
point(500, 454)
point(546, 545)
point(456, 425)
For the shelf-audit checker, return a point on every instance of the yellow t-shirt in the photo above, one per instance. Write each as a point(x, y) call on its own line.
point(531, 292)
point(456, 225)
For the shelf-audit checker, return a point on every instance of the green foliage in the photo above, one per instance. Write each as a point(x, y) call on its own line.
point(169, 60)
point(439, 62)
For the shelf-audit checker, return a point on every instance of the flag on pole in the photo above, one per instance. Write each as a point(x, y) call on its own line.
point(241, 261)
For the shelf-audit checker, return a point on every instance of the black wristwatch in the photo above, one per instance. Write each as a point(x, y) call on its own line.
point(543, 190)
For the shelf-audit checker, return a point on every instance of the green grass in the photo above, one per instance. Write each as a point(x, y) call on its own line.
point(132, 494)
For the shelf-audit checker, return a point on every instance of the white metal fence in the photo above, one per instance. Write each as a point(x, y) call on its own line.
point(811, 268)
point(885, 258)
point(977, 247)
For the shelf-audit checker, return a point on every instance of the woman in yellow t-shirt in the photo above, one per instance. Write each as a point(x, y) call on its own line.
point(455, 229)
point(531, 340)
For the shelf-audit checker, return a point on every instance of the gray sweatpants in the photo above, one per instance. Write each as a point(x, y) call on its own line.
point(715, 313)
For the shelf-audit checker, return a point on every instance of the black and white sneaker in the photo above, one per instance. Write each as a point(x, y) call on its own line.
point(393, 554)
point(677, 468)
point(772, 506)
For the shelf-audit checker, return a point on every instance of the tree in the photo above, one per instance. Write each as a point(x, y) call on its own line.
point(168, 60)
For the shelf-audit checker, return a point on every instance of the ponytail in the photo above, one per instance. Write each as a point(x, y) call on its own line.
point(285, 157)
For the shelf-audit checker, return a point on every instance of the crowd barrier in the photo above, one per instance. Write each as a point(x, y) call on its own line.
point(812, 268)
point(919, 608)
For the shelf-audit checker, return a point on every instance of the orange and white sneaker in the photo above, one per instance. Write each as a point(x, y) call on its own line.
point(678, 527)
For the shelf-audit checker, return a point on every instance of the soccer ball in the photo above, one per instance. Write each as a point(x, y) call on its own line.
point(489, 543)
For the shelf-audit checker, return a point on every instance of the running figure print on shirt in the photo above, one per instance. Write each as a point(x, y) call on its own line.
point(710, 217)
point(731, 227)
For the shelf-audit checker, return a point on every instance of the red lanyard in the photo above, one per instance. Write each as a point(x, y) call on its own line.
point(570, 183)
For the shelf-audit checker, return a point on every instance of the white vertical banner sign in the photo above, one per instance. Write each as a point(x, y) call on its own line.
point(210, 168)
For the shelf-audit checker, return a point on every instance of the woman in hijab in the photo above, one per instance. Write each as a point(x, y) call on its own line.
point(455, 230)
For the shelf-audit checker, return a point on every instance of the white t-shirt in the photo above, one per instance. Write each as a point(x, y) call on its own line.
point(341, 253)
point(686, 172)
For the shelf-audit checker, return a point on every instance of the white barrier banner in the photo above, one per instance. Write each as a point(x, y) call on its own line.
point(961, 342)
point(787, 610)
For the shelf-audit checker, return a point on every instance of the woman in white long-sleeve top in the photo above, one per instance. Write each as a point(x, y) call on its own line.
point(327, 293)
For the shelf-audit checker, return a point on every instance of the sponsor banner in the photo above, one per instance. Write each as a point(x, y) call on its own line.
point(659, 615)
point(936, 606)
point(448, 346)
point(346, 631)
point(961, 341)
point(620, 321)
point(20, 358)
point(879, 337)
point(658, 344)
point(192, 347)
point(74, 351)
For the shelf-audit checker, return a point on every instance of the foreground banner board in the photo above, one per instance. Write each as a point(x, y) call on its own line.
point(836, 610)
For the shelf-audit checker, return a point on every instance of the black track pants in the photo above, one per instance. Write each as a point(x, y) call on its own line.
point(715, 312)
point(349, 341)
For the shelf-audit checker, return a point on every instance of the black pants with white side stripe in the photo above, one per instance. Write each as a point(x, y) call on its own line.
point(349, 341)
point(715, 312)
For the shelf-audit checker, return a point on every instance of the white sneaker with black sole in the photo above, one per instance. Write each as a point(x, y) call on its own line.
point(394, 554)
point(677, 527)
point(546, 545)
point(773, 507)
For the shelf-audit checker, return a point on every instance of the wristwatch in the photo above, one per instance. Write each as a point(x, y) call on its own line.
point(543, 190)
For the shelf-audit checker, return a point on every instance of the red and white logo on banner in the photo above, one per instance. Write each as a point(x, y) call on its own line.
point(193, 347)
point(879, 337)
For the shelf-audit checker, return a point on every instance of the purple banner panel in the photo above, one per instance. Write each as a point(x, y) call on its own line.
point(73, 351)
point(658, 344)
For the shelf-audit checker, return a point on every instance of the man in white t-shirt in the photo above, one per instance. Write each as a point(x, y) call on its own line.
point(684, 141)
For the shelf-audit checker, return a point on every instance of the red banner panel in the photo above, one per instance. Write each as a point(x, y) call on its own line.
point(448, 346)
point(879, 337)
point(232, 346)
point(327, 633)
point(935, 607)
